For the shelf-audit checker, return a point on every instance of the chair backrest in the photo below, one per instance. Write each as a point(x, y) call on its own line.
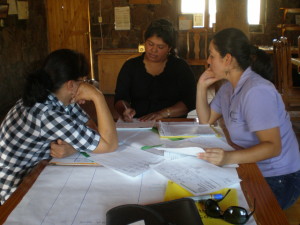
point(299, 46)
point(284, 76)
point(197, 46)
point(278, 71)
point(287, 64)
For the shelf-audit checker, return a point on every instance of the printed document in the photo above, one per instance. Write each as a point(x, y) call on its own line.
point(196, 175)
point(128, 160)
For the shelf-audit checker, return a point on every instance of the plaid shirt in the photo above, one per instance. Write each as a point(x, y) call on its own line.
point(26, 134)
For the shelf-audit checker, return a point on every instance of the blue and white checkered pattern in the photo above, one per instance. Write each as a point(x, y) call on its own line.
point(26, 134)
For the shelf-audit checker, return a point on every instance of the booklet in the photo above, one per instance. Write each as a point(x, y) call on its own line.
point(169, 130)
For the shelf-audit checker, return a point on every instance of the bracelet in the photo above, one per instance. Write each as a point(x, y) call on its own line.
point(168, 112)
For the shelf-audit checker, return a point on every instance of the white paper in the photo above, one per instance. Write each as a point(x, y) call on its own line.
point(141, 222)
point(135, 124)
point(22, 10)
point(122, 18)
point(12, 9)
point(196, 175)
point(140, 138)
point(193, 146)
point(198, 20)
point(185, 24)
point(83, 195)
point(205, 142)
point(192, 151)
point(128, 160)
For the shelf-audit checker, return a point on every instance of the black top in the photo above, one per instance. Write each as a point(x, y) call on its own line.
point(147, 93)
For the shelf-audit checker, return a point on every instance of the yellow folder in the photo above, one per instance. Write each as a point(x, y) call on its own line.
point(175, 191)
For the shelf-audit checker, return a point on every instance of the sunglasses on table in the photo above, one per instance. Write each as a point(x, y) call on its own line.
point(234, 214)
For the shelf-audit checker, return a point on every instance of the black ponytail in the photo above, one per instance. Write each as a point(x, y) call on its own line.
point(60, 66)
point(37, 88)
point(261, 63)
point(236, 43)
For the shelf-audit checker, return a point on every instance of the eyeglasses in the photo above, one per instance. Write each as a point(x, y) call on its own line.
point(234, 214)
point(89, 81)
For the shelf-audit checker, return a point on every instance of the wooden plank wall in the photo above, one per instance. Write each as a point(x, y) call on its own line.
point(68, 25)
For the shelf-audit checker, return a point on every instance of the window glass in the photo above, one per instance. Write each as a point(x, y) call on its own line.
point(253, 11)
point(197, 7)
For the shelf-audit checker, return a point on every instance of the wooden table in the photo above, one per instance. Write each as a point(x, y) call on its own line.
point(253, 185)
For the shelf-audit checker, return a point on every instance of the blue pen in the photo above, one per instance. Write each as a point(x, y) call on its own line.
point(206, 197)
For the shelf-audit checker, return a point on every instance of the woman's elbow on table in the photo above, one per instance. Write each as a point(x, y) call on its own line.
point(106, 146)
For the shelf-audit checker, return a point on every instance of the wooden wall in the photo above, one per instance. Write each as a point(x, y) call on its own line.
point(22, 44)
point(25, 42)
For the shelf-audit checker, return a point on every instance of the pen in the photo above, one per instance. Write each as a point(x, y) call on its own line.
point(149, 146)
point(206, 197)
point(126, 109)
point(124, 105)
point(85, 154)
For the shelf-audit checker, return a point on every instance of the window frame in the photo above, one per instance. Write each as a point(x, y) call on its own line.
point(206, 14)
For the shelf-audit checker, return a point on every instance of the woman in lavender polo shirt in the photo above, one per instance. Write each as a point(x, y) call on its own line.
point(253, 112)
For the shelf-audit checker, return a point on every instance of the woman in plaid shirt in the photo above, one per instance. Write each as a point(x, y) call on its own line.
point(47, 121)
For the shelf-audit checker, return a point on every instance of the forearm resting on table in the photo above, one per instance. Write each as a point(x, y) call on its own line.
point(262, 151)
point(177, 110)
point(269, 146)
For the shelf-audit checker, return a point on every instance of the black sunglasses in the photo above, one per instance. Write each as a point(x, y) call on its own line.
point(234, 214)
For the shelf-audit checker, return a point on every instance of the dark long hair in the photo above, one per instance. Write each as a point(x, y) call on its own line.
point(164, 29)
point(59, 67)
point(236, 43)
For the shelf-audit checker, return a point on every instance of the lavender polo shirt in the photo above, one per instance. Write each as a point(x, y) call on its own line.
point(256, 105)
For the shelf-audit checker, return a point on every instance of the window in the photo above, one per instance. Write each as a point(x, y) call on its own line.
point(204, 11)
point(253, 11)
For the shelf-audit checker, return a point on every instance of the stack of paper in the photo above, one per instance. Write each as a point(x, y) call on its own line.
point(135, 124)
point(128, 160)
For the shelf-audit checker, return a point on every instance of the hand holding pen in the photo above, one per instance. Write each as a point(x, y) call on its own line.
point(128, 113)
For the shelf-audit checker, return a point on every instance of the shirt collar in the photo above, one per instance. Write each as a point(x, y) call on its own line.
point(245, 76)
point(53, 100)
